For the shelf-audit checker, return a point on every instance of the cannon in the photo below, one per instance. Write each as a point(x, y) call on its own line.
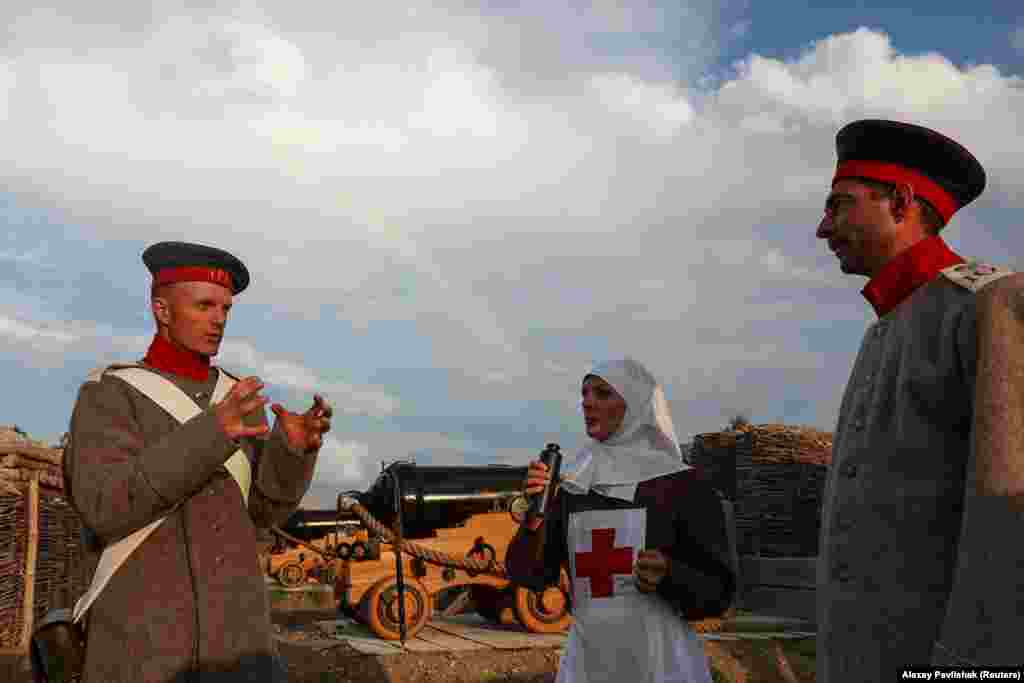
point(437, 496)
point(451, 526)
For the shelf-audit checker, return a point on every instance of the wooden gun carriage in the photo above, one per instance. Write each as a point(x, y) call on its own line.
point(452, 525)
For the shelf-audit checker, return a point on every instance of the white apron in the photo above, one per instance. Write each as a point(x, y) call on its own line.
point(619, 634)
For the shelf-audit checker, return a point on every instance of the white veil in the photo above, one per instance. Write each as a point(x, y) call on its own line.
point(644, 446)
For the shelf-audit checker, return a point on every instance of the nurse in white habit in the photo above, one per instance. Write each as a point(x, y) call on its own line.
point(641, 534)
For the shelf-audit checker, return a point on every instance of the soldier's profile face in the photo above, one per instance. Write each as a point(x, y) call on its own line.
point(603, 408)
point(194, 315)
point(859, 228)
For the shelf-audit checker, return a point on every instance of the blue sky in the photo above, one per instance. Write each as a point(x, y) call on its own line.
point(452, 211)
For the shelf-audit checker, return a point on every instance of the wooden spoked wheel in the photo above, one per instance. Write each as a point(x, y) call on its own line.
point(544, 611)
point(381, 611)
point(291, 574)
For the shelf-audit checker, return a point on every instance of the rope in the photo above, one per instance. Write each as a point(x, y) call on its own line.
point(494, 568)
point(289, 537)
point(491, 568)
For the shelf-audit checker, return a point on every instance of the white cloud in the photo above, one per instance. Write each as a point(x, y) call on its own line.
point(46, 342)
point(7, 83)
point(656, 106)
point(523, 209)
point(39, 337)
point(344, 397)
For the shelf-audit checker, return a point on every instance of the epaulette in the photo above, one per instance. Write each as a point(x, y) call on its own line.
point(97, 374)
point(975, 275)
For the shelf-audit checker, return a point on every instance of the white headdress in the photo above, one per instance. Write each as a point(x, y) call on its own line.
point(644, 446)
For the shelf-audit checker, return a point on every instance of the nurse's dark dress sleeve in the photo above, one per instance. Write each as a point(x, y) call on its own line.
point(701, 583)
point(529, 565)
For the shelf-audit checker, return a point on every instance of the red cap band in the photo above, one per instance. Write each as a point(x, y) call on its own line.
point(167, 276)
point(924, 186)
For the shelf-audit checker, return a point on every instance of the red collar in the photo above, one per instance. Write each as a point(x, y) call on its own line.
point(163, 355)
point(907, 271)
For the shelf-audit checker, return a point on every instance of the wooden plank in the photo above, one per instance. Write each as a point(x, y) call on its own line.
point(783, 602)
point(420, 644)
point(449, 642)
point(496, 639)
point(781, 635)
point(791, 572)
point(760, 623)
point(548, 639)
point(30, 560)
point(538, 639)
point(373, 646)
point(338, 628)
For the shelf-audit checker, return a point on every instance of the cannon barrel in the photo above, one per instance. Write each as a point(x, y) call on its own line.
point(433, 497)
point(441, 496)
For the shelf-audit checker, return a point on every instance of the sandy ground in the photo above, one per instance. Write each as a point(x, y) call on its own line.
point(312, 659)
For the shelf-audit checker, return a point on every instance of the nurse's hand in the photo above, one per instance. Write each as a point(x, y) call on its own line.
point(651, 567)
point(537, 477)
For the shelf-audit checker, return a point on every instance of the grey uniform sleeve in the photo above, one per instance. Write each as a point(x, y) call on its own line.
point(983, 613)
point(282, 477)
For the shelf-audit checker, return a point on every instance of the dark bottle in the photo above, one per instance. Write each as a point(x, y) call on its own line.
point(552, 457)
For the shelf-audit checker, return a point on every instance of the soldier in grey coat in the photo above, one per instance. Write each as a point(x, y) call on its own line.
point(189, 604)
point(926, 465)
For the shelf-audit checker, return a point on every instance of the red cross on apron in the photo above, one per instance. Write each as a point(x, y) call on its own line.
point(602, 562)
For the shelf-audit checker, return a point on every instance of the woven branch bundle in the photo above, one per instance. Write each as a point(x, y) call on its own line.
point(40, 558)
point(50, 456)
point(20, 461)
point(775, 476)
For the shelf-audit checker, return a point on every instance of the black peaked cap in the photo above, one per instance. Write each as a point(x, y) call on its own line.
point(184, 254)
point(944, 161)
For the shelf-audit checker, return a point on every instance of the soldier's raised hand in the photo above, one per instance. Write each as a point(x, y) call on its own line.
point(243, 399)
point(305, 432)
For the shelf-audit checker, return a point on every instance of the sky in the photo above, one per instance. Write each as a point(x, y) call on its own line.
point(452, 210)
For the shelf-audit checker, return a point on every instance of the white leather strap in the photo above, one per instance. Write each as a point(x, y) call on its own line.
point(177, 403)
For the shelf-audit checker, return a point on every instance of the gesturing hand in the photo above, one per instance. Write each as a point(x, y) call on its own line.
point(243, 399)
point(651, 567)
point(305, 432)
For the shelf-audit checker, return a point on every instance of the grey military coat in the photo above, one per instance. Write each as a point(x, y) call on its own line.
point(894, 529)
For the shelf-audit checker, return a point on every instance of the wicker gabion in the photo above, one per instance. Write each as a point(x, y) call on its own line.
point(775, 476)
point(40, 538)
